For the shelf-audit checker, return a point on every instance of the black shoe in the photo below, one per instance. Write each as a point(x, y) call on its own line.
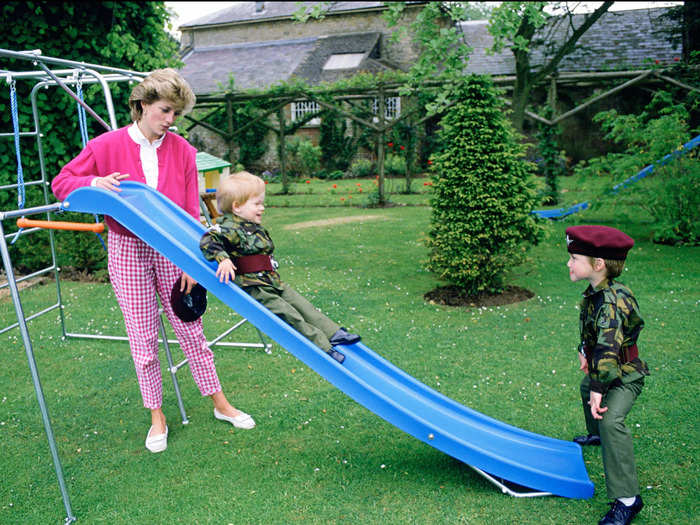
point(341, 337)
point(336, 355)
point(621, 514)
point(590, 439)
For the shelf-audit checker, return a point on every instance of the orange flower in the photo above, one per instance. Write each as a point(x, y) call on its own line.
point(307, 182)
point(335, 185)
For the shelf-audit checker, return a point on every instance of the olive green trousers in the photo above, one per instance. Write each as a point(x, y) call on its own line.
point(297, 311)
point(615, 438)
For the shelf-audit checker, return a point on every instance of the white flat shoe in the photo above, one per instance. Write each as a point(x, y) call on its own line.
point(242, 420)
point(157, 443)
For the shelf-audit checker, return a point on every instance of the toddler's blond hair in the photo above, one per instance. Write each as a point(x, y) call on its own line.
point(237, 189)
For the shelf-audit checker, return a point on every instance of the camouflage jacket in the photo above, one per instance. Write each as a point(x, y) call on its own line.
point(233, 237)
point(610, 324)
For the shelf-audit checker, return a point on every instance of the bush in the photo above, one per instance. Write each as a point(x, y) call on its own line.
point(482, 193)
point(362, 168)
point(132, 35)
point(673, 199)
point(395, 164)
point(303, 158)
point(670, 193)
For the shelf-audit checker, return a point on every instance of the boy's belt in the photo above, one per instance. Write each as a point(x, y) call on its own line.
point(253, 264)
point(630, 353)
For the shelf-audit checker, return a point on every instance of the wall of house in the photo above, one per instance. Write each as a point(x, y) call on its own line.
point(403, 52)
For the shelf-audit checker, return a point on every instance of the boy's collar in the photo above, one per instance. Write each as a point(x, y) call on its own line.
point(602, 285)
point(238, 218)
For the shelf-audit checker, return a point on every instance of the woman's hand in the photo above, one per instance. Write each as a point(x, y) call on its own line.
point(226, 271)
point(111, 181)
point(186, 283)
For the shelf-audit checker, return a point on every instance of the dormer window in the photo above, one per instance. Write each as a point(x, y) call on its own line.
point(259, 7)
point(343, 61)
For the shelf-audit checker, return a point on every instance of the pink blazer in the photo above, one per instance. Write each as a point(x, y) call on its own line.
point(115, 151)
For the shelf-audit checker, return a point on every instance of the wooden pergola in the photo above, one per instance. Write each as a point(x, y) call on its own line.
point(344, 99)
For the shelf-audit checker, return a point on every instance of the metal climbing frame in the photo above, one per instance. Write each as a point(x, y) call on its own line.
point(71, 73)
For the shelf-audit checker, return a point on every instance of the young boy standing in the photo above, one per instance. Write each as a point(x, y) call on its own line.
point(243, 249)
point(610, 324)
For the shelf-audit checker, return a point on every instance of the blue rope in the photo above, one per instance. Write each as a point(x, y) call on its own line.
point(20, 172)
point(82, 121)
point(15, 126)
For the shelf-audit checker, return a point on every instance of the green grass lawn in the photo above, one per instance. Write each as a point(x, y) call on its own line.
point(316, 456)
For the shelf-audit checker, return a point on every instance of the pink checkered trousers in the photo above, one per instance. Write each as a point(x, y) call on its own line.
point(137, 272)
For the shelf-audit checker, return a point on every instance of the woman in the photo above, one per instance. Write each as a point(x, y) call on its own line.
point(147, 152)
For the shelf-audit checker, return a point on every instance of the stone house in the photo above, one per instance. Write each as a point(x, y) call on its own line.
point(259, 44)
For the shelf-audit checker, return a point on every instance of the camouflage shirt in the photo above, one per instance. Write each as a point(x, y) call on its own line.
point(610, 323)
point(233, 237)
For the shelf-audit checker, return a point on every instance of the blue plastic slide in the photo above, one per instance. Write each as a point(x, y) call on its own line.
point(501, 450)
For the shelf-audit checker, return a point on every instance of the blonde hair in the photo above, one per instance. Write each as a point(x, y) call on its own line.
point(162, 84)
point(613, 267)
point(237, 189)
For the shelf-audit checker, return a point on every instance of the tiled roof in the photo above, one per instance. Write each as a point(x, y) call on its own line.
point(253, 65)
point(262, 64)
point(311, 69)
point(618, 40)
point(245, 11)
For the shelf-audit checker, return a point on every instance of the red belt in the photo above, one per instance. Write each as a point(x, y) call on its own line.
point(631, 353)
point(253, 264)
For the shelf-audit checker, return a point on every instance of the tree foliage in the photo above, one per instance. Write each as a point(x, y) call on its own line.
point(128, 35)
point(483, 195)
point(518, 25)
point(671, 194)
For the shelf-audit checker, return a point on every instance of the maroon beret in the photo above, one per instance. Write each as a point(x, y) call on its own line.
point(598, 241)
point(188, 306)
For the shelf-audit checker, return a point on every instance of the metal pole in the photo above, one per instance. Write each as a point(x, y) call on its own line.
point(171, 368)
point(74, 96)
point(35, 374)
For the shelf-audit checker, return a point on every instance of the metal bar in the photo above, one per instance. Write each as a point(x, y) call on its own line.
point(507, 490)
point(15, 186)
point(160, 340)
point(29, 211)
point(29, 276)
point(38, 57)
point(172, 370)
point(35, 375)
point(226, 332)
point(31, 317)
point(21, 134)
point(75, 97)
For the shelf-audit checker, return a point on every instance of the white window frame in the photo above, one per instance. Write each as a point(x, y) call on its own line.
point(302, 107)
point(392, 108)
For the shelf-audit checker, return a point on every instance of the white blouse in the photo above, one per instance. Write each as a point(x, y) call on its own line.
point(149, 156)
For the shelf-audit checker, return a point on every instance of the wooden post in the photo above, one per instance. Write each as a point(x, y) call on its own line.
point(229, 121)
point(380, 147)
point(281, 153)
